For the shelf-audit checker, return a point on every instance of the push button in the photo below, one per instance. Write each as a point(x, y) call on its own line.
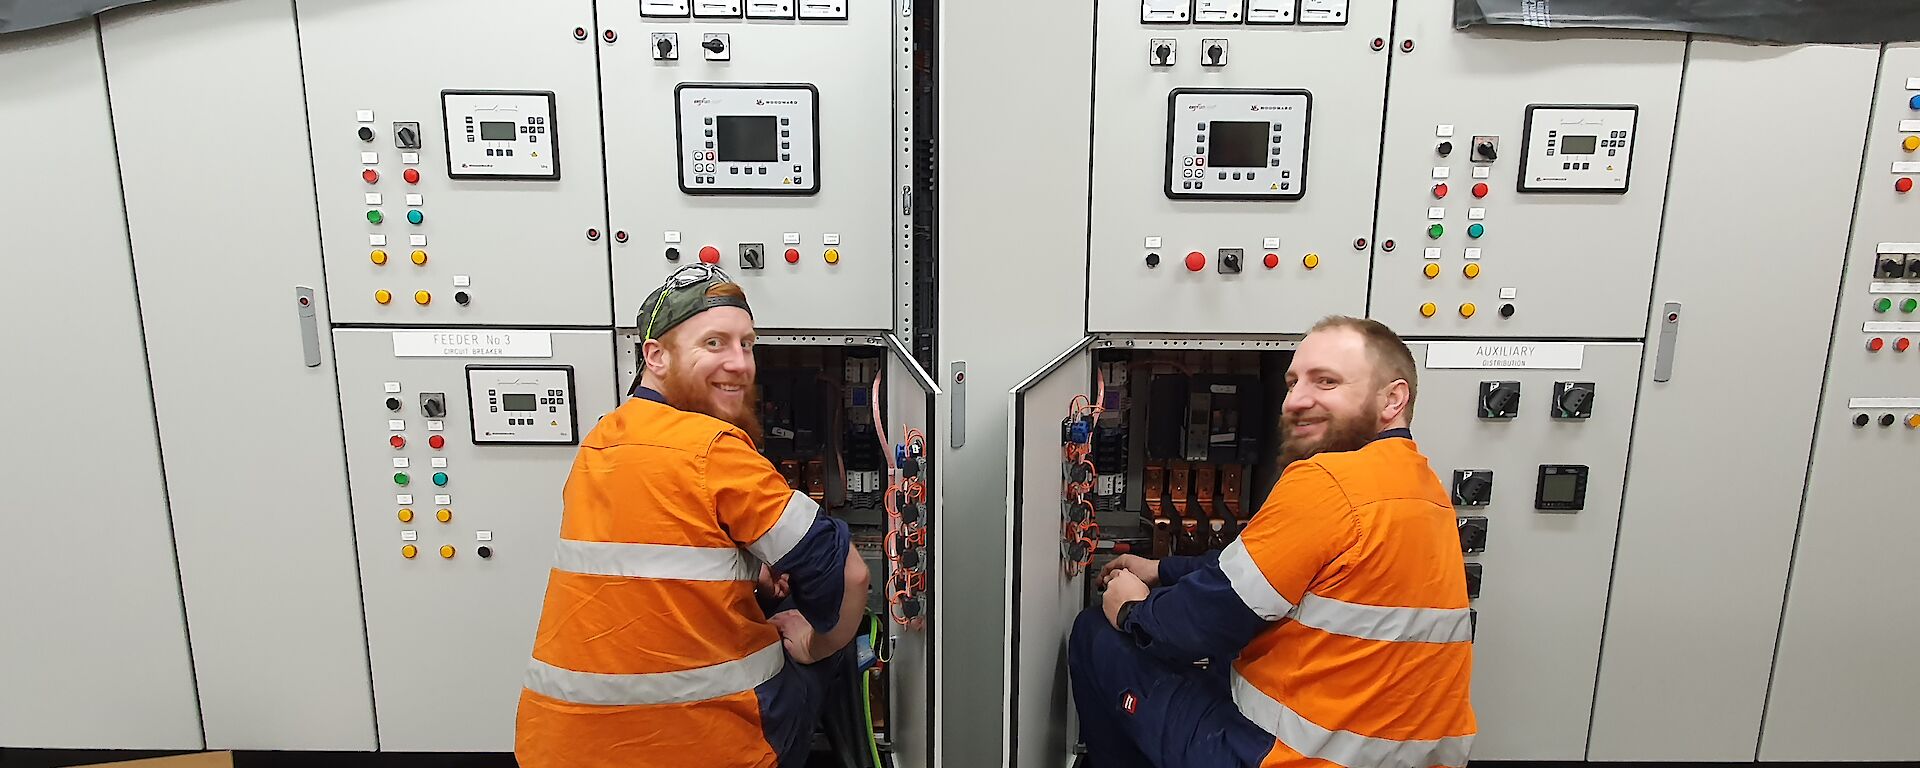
point(406, 515)
point(420, 257)
point(379, 257)
point(409, 551)
point(1428, 309)
point(1311, 260)
point(445, 515)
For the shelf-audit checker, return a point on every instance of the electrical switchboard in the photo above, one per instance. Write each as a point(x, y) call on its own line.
point(769, 138)
point(459, 174)
point(1853, 555)
point(1522, 179)
point(1234, 165)
point(458, 442)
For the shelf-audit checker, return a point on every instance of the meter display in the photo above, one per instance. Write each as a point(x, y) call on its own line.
point(501, 135)
point(1237, 144)
point(522, 405)
point(748, 139)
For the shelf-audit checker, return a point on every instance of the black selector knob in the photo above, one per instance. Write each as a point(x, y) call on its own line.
point(1474, 575)
point(366, 134)
point(1499, 399)
point(1890, 269)
point(1445, 149)
point(1472, 487)
point(433, 405)
point(1214, 52)
point(1473, 535)
point(715, 45)
point(665, 47)
point(1153, 260)
point(407, 137)
point(1573, 400)
point(1162, 53)
point(1913, 268)
point(1488, 151)
point(1886, 419)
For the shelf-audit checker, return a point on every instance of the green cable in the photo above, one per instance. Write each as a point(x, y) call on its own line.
point(866, 697)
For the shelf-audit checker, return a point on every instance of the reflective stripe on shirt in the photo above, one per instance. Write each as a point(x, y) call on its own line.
point(787, 532)
point(698, 684)
point(1344, 748)
point(1378, 622)
point(654, 561)
point(1252, 585)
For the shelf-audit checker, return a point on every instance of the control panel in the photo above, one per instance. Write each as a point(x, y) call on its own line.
point(521, 405)
point(1226, 181)
point(731, 135)
point(442, 193)
point(1854, 543)
point(456, 451)
point(1245, 145)
point(1577, 149)
point(768, 137)
point(1504, 214)
point(1552, 486)
point(501, 135)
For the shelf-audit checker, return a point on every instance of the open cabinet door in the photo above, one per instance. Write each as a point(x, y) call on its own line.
point(1042, 600)
point(911, 395)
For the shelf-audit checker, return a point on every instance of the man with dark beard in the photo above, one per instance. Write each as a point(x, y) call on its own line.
point(652, 649)
point(1336, 625)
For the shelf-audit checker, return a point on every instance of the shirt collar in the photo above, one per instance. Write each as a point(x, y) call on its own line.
point(646, 393)
point(1400, 432)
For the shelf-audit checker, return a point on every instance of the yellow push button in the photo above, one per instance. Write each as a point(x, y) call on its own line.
point(1433, 271)
point(1312, 260)
point(409, 551)
point(1912, 143)
point(382, 296)
point(406, 515)
point(1427, 309)
point(379, 257)
point(833, 255)
point(422, 297)
point(1472, 271)
point(446, 551)
point(419, 257)
point(444, 515)
point(1913, 421)
point(1466, 310)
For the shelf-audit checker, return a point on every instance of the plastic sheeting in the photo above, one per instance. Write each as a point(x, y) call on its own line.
point(17, 15)
point(1772, 21)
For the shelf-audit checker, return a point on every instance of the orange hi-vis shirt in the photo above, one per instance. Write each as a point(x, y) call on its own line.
point(651, 643)
point(1359, 553)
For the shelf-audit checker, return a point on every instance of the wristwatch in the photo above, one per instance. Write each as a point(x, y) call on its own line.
point(1126, 609)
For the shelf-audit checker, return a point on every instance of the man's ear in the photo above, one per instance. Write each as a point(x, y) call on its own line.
point(654, 356)
point(1398, 393)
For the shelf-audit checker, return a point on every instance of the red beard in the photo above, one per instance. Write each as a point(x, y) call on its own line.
point(1349, 433)
point(687, 393)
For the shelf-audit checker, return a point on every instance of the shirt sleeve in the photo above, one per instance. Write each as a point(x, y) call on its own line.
point(781, 527)
point(1220, 606)
point(1173, 568)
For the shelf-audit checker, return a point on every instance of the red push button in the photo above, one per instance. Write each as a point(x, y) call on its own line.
point(1903, 186)
point(1876, 344)
point(793, 256)
point(1480, 190)
point(1196, 261)
point(1273, 260)
point(370, 175)
point(437, 442)
point(710, 255)
point(1439, 190)
point(1902, 345)
point(412, 176)
point(397, 441)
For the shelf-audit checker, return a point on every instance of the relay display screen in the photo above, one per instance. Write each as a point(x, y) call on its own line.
point(491, 131)
point(1237, 144)
point(514, 402)
point(1559, 489)
point(1578, 145)
point(748, 139)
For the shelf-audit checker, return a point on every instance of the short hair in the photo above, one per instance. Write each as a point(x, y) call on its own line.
point(1390, 355)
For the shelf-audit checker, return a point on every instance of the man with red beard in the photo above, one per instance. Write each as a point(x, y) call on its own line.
point(1336, 625)
point(653, 647)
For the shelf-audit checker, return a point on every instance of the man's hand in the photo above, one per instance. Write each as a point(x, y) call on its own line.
point(1147, 571)
point(770, 587)
point(1122, 587)
point(796, 633)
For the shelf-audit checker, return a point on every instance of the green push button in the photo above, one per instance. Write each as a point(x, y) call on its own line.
point(1882, 304)
point(1476, 230)
point(400, 478)
point(415, 217)
point(439, 478)
point(374, 217)
point(1436, 231)
point(1909, 305)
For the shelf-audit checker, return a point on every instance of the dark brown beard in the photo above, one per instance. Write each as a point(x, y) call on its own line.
point(1349, 433)
point(686, 393)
